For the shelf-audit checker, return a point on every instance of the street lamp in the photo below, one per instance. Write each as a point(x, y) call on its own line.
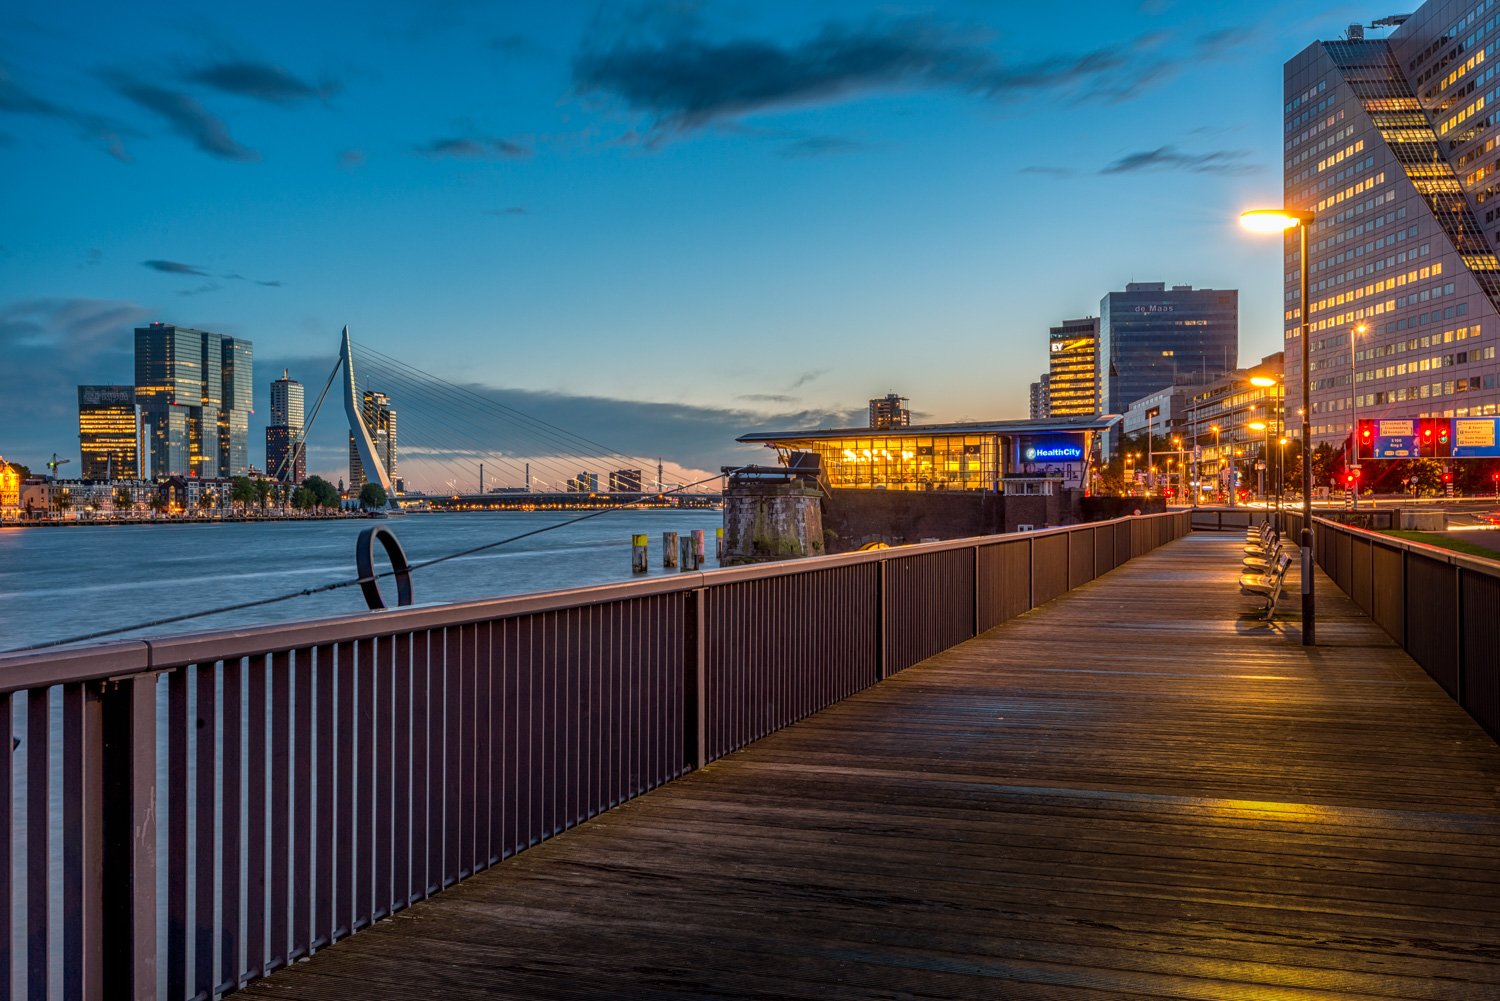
point(1279, 221)
point(1218, 467)
point(1265, 476)
point(1353, 464)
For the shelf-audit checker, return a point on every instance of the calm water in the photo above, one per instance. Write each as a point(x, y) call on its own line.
point(62, 582)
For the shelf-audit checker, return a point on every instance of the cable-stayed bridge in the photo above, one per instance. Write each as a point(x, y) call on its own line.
point(427, 440)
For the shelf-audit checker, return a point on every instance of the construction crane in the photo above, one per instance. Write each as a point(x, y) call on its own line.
point(55, 463)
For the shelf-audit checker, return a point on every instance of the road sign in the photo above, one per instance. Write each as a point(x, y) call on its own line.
point(1476, 438)
point(1395, 439)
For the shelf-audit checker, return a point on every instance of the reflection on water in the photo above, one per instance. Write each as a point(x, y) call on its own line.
point(61, 582)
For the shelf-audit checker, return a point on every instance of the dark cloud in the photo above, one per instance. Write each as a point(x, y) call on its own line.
point(808, 376)
point(186, 117)
point(779, 398)
point(351, 158)
point(174, 268)
point(474, 149)
point(684, 81)
point(815, 146)
point(260, 81)
point(1224, 161)
point(508, 210)
point(52, 346)
point(18, 101)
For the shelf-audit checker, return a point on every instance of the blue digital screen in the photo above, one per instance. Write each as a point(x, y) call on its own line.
point(1052, 448)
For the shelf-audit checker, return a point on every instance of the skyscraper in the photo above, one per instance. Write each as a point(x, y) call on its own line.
point(625, 481)
point(889, 412)
point(193, 388)
point(1072, 379)
point(286, 454)
point(1151, 337)
point(1394, 144)
point(380, 421)
point(108, 433)
point(1040, 404)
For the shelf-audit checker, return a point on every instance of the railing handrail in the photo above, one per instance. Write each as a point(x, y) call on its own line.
point(118, 659)
point(1466, 560)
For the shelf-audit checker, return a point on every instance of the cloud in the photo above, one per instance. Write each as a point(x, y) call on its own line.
point(683, 81)
point(174, 268)
point(350, 158)
point(780, 398)
point(186, 117)
point(17, 101)
point(509, 210)
point(473, 149)
point(52, 346)
point(808, 376)
point(815, 146)
point(1224, 161)
point(260, 81)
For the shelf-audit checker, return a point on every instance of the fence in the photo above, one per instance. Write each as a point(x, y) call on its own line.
point(1219, 519)
point(288, 786)
point(1440, 606)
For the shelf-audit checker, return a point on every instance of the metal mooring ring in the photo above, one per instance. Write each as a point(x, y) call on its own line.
point(364, 560)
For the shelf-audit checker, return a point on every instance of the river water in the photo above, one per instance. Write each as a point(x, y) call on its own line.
point(57, 583)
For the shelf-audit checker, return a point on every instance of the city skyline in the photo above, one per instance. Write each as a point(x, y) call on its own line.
point(565, 211)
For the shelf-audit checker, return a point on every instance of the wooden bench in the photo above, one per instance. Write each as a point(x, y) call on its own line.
point(1267, 586)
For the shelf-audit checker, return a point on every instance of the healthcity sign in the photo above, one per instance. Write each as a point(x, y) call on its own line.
point(1052, 448)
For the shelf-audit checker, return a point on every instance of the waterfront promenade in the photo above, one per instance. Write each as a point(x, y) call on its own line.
point(1133, 790)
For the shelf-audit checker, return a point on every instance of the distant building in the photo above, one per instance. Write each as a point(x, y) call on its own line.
point(1218, 417)
point(193, 388)
point(625, 481)
point(1041, 398)
point(1151, 337)
point(1072, 376)
point(286, 453)
point(584, 483)
point(380, 421)
point(889, 412)
point(108, 433)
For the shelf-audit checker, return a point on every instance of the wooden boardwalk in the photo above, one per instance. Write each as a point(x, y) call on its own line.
point(1133, 791)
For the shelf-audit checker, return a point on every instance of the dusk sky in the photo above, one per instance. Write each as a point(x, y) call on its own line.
point(658, 225)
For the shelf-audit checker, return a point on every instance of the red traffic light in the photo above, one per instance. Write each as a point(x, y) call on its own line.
point(1365, 433)
point(1427, 432)
point(1447, 477)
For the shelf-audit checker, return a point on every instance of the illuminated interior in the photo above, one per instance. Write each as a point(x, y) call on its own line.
point(906, 462)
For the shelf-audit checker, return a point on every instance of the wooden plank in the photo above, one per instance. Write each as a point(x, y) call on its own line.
point(1140, 790)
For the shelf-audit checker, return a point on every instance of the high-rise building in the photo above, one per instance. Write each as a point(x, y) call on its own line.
point(1073, 382)
point(1152, 336)
point(108, 433)
point(890, 412)
point(286, 454)
point(1394, 143)
point(584, 483)
point(625, 481)
point(193, 389)
point(380, 420)
point(1041, 397)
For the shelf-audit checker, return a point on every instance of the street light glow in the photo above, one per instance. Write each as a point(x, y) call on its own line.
point(1273, 220)
point(1256, 426)
point(1263, 381)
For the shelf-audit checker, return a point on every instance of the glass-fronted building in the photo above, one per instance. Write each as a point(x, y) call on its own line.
point(975, 456)
point(380, 421)
point(1072, 376)
point(286, 455)
point(194, 392)
point(1151, 336)
point(108, 433)
point(1394, 143)
point(237, 403)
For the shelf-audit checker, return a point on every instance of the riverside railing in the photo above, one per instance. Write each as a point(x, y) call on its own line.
point(1440, 606)
point(185, 814)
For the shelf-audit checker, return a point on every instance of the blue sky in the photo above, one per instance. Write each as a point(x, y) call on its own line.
point(660, 224)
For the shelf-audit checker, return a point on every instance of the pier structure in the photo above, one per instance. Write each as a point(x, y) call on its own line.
point(1068, 763)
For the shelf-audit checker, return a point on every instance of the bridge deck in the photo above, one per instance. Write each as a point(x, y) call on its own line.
point(1133, 791)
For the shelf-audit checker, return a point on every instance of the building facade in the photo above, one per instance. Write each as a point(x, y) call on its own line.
point(1394, 143)
point(286, 453)
point(109, 430)
point(1151, 336)
point(193, 388)
point(380, 420)
point(625, 481)
point(1217, 426)
point(1040, 405)
point(1072, 375)
point(890, 412)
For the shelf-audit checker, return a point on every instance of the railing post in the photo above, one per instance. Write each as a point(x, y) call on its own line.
point(1458, 637)
point(974, 627)
point(694, 694)
point(882, 653)
point(128, 817)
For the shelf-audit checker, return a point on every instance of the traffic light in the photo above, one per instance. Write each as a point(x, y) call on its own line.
point(1447, 476)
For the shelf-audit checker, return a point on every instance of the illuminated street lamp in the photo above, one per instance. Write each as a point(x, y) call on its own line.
point(1353, 465)
point(1279, 221)
point(1265, 494)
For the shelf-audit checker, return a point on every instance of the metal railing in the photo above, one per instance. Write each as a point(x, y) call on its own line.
point(288, 786)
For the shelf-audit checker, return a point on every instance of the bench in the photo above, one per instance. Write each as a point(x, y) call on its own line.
point(1267, 586)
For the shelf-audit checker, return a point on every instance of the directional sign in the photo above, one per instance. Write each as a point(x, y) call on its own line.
point(1475, 438)
point(1395, 439)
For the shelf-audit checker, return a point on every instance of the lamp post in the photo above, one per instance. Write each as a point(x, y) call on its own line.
point(1265, 463)
point(1218, 464)
point(1353, 464)
point(1279, 221)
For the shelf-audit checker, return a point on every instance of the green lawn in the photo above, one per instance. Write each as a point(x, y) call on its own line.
point(1444, 542)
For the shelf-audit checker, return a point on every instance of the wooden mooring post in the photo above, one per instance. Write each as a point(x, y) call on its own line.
point(689, 555)
point(638, 556)
point(698, 547)
point(669, 549)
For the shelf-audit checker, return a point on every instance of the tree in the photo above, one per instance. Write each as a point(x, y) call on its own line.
point(262, 493)
point(323, 492)
point(158, 504)
point(62, 499)
point(304, 499)
point(242, 490)
point(206, 500)
point(372, 495)
point(123, 500)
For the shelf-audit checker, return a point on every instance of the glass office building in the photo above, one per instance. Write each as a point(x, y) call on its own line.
point(1072, 379)
point(286, 454)
point(380, 421)
point(193, 388)
point(108, 433)
point(1152, 336)
point(1394, 143)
